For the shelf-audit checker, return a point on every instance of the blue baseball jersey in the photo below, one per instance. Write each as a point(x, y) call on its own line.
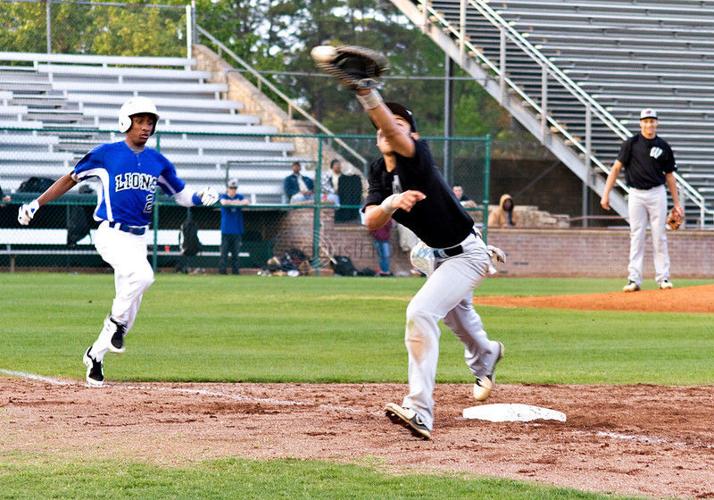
point(231, 216)
point(129, 181)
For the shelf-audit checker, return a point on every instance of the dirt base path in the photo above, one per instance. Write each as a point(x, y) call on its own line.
point(698, 299)
point(627, 439)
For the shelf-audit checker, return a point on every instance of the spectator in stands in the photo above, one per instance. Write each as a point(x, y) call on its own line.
point(331, 183)
point(465, 201)
point(297, 187)
point(381, 243)
point(231, 226)
point(502, 216)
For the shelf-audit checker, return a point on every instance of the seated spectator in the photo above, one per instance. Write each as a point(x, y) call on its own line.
point(331, 182)
point(466, 202)
point(298, 188)
point(503, 215)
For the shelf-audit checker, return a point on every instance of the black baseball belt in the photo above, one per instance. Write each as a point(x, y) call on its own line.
point(138, 230)
point(443, 253)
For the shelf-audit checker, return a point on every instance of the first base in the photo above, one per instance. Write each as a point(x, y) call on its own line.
point(512, 412)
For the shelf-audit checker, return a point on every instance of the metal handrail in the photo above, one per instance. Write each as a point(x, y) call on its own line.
point(290, 102)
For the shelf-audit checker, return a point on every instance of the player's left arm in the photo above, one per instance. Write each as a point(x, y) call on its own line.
point(672, 186)
point(402, 142)
point(175, 187)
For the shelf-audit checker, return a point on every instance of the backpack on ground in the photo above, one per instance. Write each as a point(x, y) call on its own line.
point(343, 266)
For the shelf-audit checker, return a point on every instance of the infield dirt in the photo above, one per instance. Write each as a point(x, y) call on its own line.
point(629, 439)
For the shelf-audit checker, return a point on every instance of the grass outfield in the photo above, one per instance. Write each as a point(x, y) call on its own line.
point(232, 478)
point(249, 328)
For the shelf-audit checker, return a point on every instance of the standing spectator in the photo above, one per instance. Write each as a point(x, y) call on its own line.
point(465, 201)
point(503, 215)
point(231, 226)
point(381, 238)
point(298, 188)
point(649, 165)
point(331, 182)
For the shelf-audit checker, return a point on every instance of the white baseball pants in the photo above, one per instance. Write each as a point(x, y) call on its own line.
point(447, 294)
point(126, 253)
point(648, 205)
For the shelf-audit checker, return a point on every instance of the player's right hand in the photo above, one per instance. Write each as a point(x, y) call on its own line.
point(408, 199)
point(605, 202)
point(27, 212)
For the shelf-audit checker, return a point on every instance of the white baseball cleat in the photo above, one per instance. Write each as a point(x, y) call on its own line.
point(665, 285)
point(95, 370)
point(631, 286)
point(484, 385)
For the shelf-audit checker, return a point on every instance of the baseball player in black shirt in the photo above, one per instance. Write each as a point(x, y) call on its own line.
point(405, 185)
point(649, 165)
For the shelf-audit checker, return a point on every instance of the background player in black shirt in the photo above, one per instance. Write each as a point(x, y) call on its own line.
point(649, 165)
point(405, 185)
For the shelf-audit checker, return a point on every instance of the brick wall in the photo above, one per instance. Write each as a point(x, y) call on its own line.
point(534, 252)
point(601, 253)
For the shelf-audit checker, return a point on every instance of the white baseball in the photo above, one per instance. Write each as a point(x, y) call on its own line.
point(323, 53)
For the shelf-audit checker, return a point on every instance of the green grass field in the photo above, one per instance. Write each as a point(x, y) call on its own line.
point(214, 328)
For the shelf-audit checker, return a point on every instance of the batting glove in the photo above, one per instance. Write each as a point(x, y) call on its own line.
point(27, 212)
point(496, 254)
point(209, 196)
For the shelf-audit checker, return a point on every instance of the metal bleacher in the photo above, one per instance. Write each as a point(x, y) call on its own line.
point(577, 73)
point(56, 107)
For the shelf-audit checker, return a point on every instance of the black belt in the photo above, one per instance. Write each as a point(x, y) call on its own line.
point(442, 253)
point(128, 229)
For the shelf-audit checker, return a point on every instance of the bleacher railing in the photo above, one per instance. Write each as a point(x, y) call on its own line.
point(510, 38)
point(61, 235)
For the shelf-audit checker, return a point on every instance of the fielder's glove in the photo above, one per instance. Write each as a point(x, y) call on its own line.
point(674, 220)
point(355, 67)
point(27, 212)
point(209, 196)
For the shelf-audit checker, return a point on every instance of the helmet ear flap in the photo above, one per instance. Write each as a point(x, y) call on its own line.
point(124, 123)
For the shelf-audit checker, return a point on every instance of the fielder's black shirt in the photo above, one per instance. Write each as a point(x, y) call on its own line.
point(439, 220)
point(646, 161)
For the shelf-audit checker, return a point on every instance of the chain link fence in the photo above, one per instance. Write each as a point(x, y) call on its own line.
point(305, 231)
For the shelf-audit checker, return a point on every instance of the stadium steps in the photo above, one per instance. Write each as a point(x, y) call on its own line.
point(618, 55)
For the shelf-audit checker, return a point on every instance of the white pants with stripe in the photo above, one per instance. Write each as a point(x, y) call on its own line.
point(448, 295)
point(126, 253)
point(648, 205)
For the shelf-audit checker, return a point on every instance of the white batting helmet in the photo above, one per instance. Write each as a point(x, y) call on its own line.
point(135, 106)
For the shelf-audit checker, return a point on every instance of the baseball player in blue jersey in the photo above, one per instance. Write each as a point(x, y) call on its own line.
point(129, 173)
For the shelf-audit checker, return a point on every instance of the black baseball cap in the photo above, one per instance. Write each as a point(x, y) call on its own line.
point(402, 111)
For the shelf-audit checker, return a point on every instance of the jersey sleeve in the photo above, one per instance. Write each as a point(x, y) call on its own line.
point(670, 165)
point(625, 152)
point(422, 160)
point(169, 180)
point(376, 191)
point(88, 166)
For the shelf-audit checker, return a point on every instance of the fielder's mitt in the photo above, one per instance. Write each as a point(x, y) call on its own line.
point(355, 67)
point(673, 220)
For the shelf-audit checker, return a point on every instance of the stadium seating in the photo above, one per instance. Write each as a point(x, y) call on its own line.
point(624, 55)
point(56, 107)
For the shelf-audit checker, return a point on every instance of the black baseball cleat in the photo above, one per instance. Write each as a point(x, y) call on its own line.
point(117, 341)
point(95, 371)
point(408, 418)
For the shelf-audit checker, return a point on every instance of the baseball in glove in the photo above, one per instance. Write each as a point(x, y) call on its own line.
point(355, 67)
point(674, 220)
